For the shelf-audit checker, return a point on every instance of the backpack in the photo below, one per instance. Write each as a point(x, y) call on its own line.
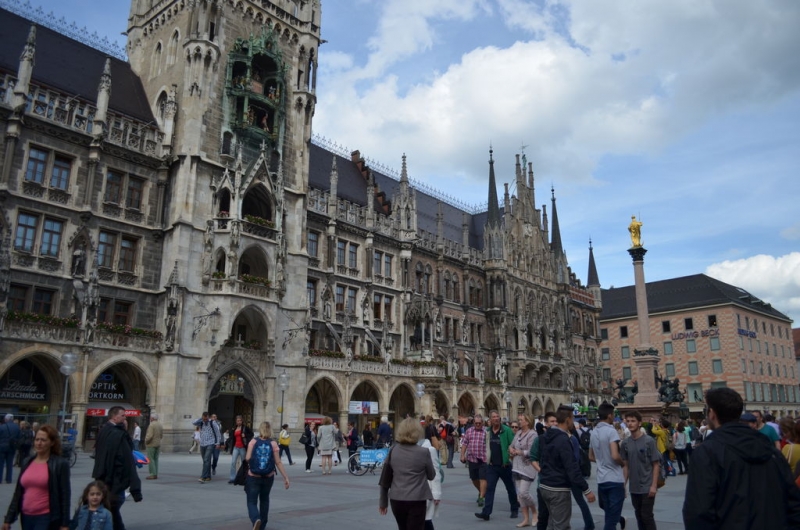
point(695, 435)
point(262, 461)
point(585, 439)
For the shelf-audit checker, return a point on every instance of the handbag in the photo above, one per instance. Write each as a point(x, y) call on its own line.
point(241, 474)
point(387, 473)
point(303, 439)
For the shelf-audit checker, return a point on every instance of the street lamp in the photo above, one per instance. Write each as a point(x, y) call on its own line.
point(591, 413)
point(683, 411)
point(420, 390)
point(67, 368)
point(283, 384)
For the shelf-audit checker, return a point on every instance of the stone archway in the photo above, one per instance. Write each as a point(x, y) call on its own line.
point(323, 398)
point(32, 389)
point(466, 405)
point(537, 408)
point(549, 406)
point(401, 404)
point(232, 395)
point(441, 404)
point(367, 393)
point(492, 403)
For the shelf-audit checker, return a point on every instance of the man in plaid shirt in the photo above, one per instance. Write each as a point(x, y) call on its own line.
point(210, 439)
point(473, 453)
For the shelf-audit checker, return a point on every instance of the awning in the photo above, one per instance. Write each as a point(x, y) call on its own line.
point(100, 408)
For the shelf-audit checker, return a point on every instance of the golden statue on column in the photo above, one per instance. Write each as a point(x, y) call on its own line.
point(635, 228)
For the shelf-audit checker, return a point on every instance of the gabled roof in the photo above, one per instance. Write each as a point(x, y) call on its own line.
point(72, 67)
point(352, 187)
point(687, 292)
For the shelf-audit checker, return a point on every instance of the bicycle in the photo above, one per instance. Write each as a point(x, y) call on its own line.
point(68, 452)
point(373, 460)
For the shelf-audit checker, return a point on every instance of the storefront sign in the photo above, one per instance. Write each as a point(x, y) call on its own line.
point(363, 407)
point(17, 390)
point(95, 413)
point(714, 332)
point(748, 333)
point(106, 389)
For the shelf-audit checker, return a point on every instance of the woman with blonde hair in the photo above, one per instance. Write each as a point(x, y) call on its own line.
point(522, 469)
point(405, 476)
point(263, 457)
point(326, 444)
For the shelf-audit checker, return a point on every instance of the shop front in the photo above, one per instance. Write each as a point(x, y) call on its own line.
point(113, 388)
point(25, 393)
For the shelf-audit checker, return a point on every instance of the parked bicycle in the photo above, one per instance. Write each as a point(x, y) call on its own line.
point(68, 451)
point(367, 459)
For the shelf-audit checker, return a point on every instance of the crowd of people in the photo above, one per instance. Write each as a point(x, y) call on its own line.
point(744, 474)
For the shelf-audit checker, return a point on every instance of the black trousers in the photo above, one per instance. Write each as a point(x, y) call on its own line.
point(309, 456)
point(410, 515)
point(544, 512)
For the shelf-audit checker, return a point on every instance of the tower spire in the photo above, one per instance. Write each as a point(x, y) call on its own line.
point(555, 243)
point(594, 279)
point(493, 218)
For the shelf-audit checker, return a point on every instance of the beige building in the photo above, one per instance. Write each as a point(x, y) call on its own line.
point(709, 334)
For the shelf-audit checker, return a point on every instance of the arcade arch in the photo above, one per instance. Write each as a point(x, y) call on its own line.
point(401, 403)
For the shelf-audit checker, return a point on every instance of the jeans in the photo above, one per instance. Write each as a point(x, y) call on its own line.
point(285, 449)
point(215, 459)
point(588, 520)
point(643, 507)
point(309, 456)
point(683, 462)
point(7, 459)
point(207, 452)
point(257, 490)
point(452, 449)
point(236, 453)
point(136, 445)
point(37, 522)
point(152, 455)
point(493, 474)
point(559, 507)
point(410, 515)
point(612, 496)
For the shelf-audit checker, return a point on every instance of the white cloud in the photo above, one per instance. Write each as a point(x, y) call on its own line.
point(684, 62)
point(775, 280)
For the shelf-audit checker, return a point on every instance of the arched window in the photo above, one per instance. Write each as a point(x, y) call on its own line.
point(160, 106)
point(172, 48)
point(447, 291)
point(155, 65)
point(456, 289)
point(428, 274)
point(420, 277)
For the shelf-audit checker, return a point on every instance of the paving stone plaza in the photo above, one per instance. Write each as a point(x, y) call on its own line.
point(178, 502)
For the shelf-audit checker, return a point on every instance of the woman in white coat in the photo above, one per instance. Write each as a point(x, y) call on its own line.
point(432, 509)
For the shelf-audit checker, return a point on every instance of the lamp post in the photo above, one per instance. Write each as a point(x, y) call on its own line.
point(683, 411)
point(67, 368)
point(420, 392)
point(283, 384)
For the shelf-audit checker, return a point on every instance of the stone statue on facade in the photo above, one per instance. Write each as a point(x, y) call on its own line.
point(635, 228)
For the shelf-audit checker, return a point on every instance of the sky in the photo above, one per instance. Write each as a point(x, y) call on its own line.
point(684, 113)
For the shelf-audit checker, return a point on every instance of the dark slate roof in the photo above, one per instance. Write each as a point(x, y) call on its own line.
point(352, 187)
point(687, 292)
point(67, 65)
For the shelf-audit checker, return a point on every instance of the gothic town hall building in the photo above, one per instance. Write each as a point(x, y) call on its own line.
point(170, 219)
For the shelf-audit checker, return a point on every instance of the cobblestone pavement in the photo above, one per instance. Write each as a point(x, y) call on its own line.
point(178, 502)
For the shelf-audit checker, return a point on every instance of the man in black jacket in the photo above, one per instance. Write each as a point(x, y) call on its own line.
point(738, 479)
point(114, 465)
point(560, 471)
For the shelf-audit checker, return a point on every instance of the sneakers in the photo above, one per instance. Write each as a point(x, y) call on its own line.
point(204, 480)
point(481, 501)
point(152, 477)
point(308, 471)
point(257, 525)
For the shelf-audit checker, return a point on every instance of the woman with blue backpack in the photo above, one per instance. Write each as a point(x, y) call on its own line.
point(263, 460)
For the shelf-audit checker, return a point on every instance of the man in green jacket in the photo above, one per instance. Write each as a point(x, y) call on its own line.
point(498, 466)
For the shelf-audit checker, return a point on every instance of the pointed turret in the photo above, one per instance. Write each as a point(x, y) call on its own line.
point(493, 218)
point(25, 69)
point(593, 282)
point(103, 97)
point(555, 243)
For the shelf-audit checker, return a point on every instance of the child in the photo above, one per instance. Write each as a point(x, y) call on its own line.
point(195, 440)
point(93, 512)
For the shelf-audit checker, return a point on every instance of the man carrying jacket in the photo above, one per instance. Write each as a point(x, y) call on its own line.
point(498, 466)
point(560, 471)
point(739, 479)
point(114, 465)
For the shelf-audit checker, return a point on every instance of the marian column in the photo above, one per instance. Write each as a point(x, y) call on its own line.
point(645, 356)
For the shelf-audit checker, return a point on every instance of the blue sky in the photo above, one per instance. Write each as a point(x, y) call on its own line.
point(686, 113)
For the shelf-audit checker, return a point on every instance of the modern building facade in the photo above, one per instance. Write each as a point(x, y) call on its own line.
point(171, 220)
point(709, 334)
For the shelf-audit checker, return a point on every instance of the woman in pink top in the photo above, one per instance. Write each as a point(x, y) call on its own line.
point(42, 495)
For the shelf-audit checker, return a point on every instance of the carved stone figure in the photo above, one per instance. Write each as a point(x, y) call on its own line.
point(79, 261)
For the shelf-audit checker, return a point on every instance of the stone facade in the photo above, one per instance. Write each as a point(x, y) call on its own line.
point(181, 232)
